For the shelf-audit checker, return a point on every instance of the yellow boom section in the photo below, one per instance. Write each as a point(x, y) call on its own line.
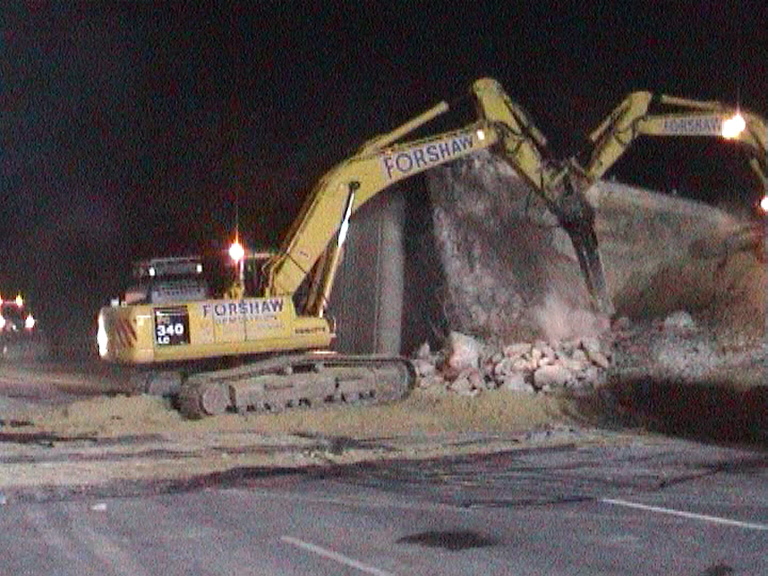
point(688, 118)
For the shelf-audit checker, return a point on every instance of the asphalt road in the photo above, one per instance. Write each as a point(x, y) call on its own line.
point(651, 505)
point(623, 505)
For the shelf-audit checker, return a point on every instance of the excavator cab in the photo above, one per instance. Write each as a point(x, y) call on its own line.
point(158, 280)
point(254, 277)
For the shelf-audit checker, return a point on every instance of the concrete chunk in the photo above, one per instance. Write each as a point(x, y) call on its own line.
point(552, 376)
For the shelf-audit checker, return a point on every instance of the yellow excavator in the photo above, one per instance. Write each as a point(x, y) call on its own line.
point(645, 114)
point(563, 185)
point(289, 361)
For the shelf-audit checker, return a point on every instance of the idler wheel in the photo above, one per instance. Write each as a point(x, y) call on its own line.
point(213, 399)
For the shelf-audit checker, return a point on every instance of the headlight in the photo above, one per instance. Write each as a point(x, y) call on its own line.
point(733, 126)
point(101, 338)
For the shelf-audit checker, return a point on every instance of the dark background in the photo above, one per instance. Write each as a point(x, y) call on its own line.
point(137, 129)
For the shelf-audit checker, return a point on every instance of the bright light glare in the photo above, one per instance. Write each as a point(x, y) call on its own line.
point(236, 251)
point(481, 135)
point(734, 126)
point(764, 204)
point(29, 322)
point(2, 322)
point(102, 339)
point(19, 301)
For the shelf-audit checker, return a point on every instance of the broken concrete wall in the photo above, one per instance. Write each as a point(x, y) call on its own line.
point(509, 277)
point(512, 274)
point(367, 300)
point(481, 254)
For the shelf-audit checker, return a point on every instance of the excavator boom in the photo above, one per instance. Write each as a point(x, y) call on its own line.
point(380, 163)
point(680, 117)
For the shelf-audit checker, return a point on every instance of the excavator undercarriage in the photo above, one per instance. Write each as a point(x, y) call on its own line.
point(296, 381)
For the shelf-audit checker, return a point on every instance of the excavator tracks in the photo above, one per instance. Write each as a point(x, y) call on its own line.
point(306, 380)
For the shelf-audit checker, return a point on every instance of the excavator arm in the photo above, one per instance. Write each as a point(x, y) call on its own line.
point(559, 185)
point(563, 189)
point(682, 118)
point(310, 250)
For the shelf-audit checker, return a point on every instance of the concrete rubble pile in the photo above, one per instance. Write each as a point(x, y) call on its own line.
point(467, 367)
point(681, 349)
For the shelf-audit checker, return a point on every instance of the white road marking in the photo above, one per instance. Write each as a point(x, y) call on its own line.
point(340, 558)
point(682, 514)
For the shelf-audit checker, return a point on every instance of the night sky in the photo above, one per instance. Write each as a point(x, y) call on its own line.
point(134, 129)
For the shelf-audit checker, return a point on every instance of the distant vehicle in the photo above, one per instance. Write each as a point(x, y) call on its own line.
point(20, 333)
point(15, 318)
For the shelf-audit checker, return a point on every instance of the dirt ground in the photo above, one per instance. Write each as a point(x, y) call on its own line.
point(97, 442)
point(88, 444)
point(422, 412)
